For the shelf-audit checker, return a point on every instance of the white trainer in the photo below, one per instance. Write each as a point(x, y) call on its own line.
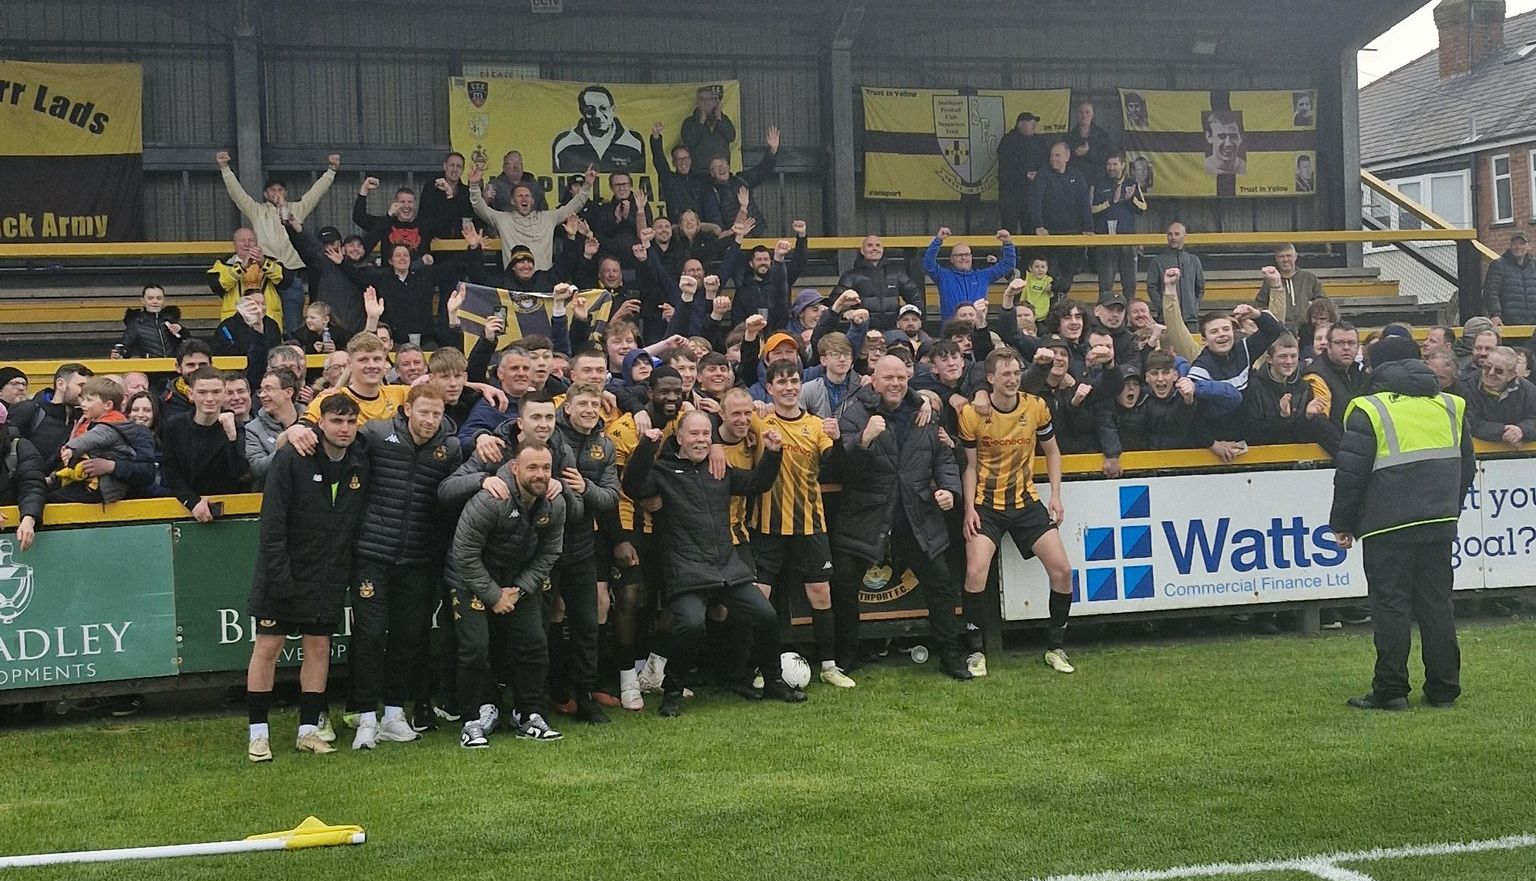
point(367, 736)
point(397, 731)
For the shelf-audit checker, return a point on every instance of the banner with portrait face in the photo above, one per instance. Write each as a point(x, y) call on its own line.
point(560, 128)
point(1221, 143)
point(940, 145)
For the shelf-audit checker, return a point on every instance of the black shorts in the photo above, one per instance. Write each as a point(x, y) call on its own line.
point(1026, 525)
point(809, 556)
point(274, 627)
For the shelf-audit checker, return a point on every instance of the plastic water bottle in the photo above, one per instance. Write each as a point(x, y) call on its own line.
point(919, 654)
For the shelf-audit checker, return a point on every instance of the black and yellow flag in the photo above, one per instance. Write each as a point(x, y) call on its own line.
point(71, 152)
point(1221, 143)
point(940, 145)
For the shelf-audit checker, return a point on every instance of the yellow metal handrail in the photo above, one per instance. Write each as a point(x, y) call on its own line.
point(1436, 222)
point(220, 249)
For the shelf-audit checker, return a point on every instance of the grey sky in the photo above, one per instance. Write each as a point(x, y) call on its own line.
point(1411, 38)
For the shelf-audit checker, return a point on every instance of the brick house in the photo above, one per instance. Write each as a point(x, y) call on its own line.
point(1455, 129)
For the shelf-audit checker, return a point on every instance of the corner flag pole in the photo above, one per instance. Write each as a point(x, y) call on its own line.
point(310, 833)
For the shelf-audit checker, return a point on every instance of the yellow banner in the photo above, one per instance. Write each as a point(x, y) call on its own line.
point(940, 145)
point(560, 128)
point(1221, 144)
point(70, 109)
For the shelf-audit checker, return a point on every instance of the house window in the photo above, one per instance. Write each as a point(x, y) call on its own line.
point(1503, 190)
point(1447, 194)
point(1530, 163)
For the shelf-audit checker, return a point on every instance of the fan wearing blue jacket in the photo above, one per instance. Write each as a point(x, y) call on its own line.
point(959, 283)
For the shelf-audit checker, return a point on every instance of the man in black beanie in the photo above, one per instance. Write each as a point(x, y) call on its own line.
point(1404, 465)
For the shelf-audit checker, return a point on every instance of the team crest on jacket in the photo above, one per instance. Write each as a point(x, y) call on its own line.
point(267, 622)
point(474, 603)
point(355, 483)
point(542, 521)
point(597, 451)
point(365, 589)
point(440, 453)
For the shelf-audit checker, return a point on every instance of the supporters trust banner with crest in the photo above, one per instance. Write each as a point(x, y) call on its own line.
point(71, 152)
point(940, 145)
point(1221, 143)
point(563, 127)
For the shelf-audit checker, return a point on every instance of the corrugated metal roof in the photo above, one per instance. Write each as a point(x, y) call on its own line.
point(1412, 111)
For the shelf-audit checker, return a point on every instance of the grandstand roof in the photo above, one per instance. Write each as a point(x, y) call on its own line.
point(1412, 112)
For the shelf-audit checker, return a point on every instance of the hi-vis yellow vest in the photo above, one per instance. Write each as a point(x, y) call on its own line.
point(1411, 430)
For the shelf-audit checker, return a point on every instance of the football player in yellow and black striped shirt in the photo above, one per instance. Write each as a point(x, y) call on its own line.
point(631, 603)
point(999, 484)
point(790, 525)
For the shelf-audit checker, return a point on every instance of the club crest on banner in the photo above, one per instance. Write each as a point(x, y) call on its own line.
point(478, 91)
point(968, 128)
point(15, 585)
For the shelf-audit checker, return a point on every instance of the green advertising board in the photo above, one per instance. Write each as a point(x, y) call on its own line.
point(213, 565)
point(87, 605)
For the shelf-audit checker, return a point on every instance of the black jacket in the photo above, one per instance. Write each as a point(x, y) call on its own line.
point(901, 469)
point(234, 337)
point(1060, 203)
point(1263, 423)
point(1088, 427)
point(882, 289)
point(505, 543)
point(694, 523)
point(722, 200)
point(45, 423)
point(305, 557)
point(1160, 424)
point(329, 283)
point(1343, 385)
point(21, 476)
point(145, 334)
point(400, 520)
point(1017, 156)
point(1487, 415)
point(407, 301)
point(681, 192)
point(199, 460)
point(1367, 500)
point(598, 506)
point(1510, 289)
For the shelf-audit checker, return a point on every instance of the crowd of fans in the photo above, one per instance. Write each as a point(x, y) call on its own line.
point(610, 509)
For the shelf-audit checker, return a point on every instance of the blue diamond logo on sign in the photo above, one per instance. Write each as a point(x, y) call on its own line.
point(1103, 583)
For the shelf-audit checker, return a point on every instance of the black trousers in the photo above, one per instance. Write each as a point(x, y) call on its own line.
point(1064, 265)
point(1112, 260)
point(941, 593)
point(1411, 581)
point(576, 582)
point(522, 634)
point(746, 606)
point(391, 632)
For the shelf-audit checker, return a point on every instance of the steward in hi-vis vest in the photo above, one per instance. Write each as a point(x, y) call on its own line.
point(1403, 468)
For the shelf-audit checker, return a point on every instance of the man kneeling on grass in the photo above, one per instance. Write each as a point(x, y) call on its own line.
point(310, 511)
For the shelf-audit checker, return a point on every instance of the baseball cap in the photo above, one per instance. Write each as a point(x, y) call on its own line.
point(1026, 115)
point(520, 252)
point(329, 234)
point(1113, 298)
point(780, 339)
point(909, 309)
point(1054, 341)
point(1129, 371)
point(1519, 234)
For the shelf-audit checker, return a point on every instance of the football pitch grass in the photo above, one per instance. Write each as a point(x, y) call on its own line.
point(1236, 750)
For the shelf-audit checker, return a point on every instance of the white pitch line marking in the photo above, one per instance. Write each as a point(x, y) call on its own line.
point(1330, 872)
point(1325, 862)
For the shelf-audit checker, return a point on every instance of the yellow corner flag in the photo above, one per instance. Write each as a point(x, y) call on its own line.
point(313, 832)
